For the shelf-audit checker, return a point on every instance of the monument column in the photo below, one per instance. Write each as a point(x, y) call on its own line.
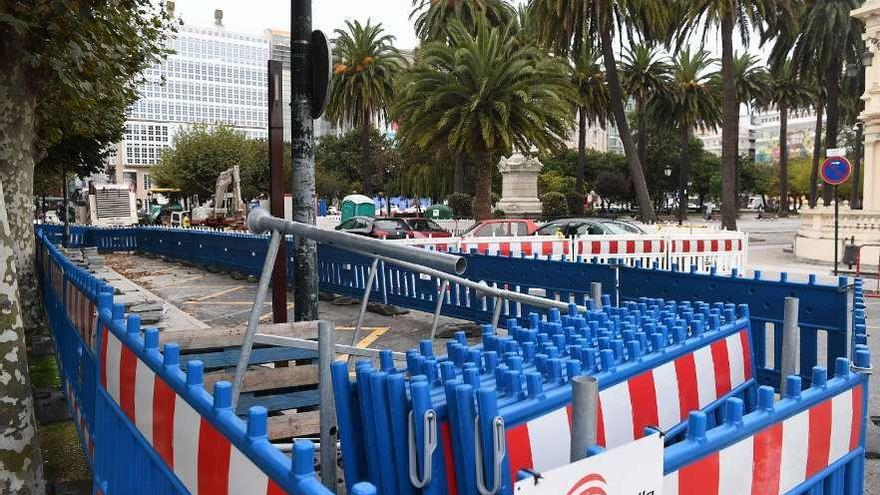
point(870, 15)
point(519, 186)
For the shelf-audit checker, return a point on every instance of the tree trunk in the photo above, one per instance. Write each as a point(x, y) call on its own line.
point(21, 469)
point(366, 161)
point(582, 150)
point(783, 161)
point(646, 209)
point(17, 157)
point(305, 252)
point(855, 201)
point(483, 193)
point(817, 153)
point(683, 172)
point(643, 131)
point(458, 178)
point(730, 117)
point(832, 120)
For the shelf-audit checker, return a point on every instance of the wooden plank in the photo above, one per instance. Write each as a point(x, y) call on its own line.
point(229, 357)
point(289, 425)
point(207, 338)
point(279, 401)
point(259, 378)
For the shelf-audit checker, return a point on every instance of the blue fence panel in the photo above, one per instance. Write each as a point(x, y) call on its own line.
point(823, 309)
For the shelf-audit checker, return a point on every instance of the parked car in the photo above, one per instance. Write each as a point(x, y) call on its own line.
point(426, 227)
point(507, 227)
point(380, 228)
point(571, 227)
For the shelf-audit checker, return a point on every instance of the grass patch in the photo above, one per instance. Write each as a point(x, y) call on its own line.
point(44, 372)
point(63, 456)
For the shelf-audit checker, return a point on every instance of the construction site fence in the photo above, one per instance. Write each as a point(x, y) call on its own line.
point(823, 317)
point(144, 419)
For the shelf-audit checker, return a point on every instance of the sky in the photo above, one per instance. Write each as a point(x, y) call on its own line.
point(253, 16)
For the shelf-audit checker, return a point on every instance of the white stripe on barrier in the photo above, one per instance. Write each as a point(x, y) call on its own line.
point(670, 483)
point(666, 388)
point(617, 415)
point(550, 439)
point(841, 426)
point(735, 361)
point(114, 355)
point(705, 378)
point(248, 477)
point(732, 472)
point(795, 447)
point(144, 384)
point(187, 422)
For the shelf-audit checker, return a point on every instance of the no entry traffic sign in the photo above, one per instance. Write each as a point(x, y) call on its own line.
point(836, 170)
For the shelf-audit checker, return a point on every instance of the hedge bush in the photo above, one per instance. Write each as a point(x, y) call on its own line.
point(553, 205)
point(575, 202)
point(462, 205)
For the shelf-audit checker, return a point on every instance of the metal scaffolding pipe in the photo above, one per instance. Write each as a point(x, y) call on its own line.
point(260, 222)
point(790, 335)
point(584, 420)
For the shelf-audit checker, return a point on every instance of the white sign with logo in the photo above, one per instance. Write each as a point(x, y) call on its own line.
point(632, 469)
point(832, 152)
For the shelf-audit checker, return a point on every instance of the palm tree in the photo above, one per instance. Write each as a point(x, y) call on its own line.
point(825, 40)
point(433, 17)
point(485, 94)
point(747, 14)
point(363, 83)
point(593, 105)
point(563, 25)
point(690, 100)
point(644, 73)
point(787, 93)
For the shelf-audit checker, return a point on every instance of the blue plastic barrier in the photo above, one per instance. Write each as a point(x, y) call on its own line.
point(147, 425)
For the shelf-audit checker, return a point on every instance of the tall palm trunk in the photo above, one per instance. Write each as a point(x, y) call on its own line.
point(832, 121)
point(683, 172)
point(783, 161)
point(366, 161)
point(646, 209)
point(730, 115)
point(855, 200)
point(582, 150)
point(483, 192)
point(458, 177)
point(817, 153)
point(643, 131)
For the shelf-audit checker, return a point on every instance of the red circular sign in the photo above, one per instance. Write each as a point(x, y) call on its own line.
point(835, 170)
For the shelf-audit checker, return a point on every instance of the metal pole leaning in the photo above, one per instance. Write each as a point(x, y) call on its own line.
point(440, 295)
point(596, 293)
point(496, 312)
point(789, 341)
point(584, 421)
point(254, 320)
point(365, 300)
point(327, 406)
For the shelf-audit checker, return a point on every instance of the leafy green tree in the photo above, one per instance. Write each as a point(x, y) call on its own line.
point(363, 83)
point(66, 69)
point(690, 102)
point(787, 93)
point(200, 153)
point(564, 25)
point(433, 17)
point(485, 94)
point(643, 74)
point(760, 15)
point(594, 105)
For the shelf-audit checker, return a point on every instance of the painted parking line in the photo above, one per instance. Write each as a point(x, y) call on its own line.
point(373, 336)
point(220, 293)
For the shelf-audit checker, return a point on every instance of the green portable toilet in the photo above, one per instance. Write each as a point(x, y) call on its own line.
point(438, 212)
point(357, 205)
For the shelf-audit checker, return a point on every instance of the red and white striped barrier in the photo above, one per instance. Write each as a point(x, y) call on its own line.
point(82, 312)
point(79, 420)
point(721, 250)
point(204, 460)
point(660, 397)
point(781, 456)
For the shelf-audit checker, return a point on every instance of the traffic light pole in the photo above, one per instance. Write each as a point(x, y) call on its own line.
point(305, 299)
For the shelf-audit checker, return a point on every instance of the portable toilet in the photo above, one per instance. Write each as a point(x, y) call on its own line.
point(438, 212)
point(357, 205)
